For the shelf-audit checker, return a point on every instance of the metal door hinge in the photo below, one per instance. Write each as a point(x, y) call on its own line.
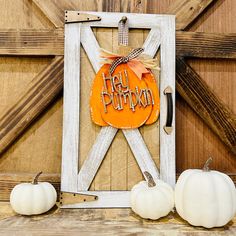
point(67, 198)
point(78, 17)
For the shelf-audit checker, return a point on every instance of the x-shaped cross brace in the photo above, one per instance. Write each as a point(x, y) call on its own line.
point(106, 135)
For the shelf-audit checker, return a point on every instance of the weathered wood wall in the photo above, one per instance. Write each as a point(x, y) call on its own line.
point(40, 147)
point(197, 141)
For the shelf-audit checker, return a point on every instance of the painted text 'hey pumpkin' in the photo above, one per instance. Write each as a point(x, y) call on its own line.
point(123, 100)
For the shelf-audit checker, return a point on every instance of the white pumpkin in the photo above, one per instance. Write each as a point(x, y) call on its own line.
point(205, 197)
point(152, 200)
point(33, 198)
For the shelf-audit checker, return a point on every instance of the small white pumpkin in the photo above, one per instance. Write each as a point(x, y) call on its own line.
point(205, 197)
point(152, 200)
point(33, 198)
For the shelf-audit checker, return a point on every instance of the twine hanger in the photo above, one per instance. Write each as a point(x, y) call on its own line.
point(123, 40)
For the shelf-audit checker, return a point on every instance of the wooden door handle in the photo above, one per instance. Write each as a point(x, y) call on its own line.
point(169, 119)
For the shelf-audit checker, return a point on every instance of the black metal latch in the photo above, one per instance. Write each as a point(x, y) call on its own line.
point(168, 127)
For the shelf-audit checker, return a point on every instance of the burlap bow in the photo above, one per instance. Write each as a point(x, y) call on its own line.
point(133, 54)
point(139, 63)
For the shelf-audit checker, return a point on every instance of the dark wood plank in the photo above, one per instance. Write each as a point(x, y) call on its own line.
point(205, 45)
point(40, 93)
point(33, 42)
point(206, 104)
point(187, 11)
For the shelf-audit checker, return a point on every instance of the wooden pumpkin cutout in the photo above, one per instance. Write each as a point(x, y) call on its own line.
point(121, 98)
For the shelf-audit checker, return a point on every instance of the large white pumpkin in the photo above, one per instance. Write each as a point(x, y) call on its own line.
point(33, 198)
point(152, 200)
point(205, 197)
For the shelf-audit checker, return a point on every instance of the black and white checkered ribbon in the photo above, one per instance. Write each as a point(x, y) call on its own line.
point(123, 31)
point(133, 54)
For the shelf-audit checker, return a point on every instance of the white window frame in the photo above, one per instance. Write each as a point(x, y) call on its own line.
point(162, 34)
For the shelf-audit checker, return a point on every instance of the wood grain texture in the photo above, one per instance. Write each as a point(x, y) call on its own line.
point(71, 109)
point(40, 147)
point(41, 42)
point(196, 142)
point(152, 42)
point(100, 222)
point(206, 104)
point(87, 132)
point(91, 47)
point(119, 149)
point(92, 50)
point(103, 199)
point(23, 16)
point(54, 10)
point(167, 78)
point(135, 139)
point(134, 174)
point(95, 157)
point(219, 76)
point(109, 19)
point(103, 177)
point(183, 14)
point(205, 45)
point(40, 93)
point(141, 153)
point(107, 134)
point(187, 11)
point(9, 180)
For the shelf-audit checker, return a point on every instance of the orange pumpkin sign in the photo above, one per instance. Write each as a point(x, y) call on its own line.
point(123, 100)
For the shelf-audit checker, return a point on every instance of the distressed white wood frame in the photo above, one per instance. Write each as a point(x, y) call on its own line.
point(162, 34)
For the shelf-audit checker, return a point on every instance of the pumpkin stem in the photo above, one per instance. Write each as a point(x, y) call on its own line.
point(35, 180)
point(206, 165)
point(150, 180)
